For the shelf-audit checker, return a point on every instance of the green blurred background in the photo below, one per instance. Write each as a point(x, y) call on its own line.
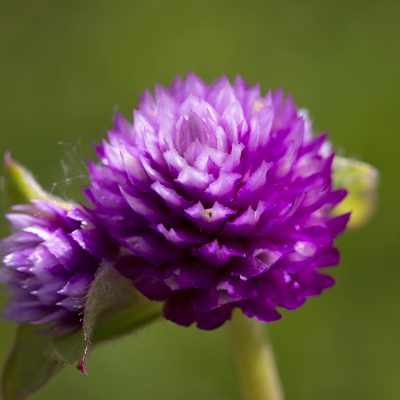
point(65, 66)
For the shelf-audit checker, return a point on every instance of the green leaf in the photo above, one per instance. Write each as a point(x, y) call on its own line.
point(113, 309)
point(23, 187)
point(109, 291)
point(30, 365)
point(127, 320)
point(361, 181)
point(37, 357)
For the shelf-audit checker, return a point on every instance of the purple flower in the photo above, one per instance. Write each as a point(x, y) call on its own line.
point(221, 198)
point(49, 263)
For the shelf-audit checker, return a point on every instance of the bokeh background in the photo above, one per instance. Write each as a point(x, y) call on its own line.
point(66, 66)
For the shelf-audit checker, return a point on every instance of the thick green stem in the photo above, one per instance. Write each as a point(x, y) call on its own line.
point(254, 359)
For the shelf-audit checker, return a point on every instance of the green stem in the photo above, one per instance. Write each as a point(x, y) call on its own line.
point(254, 359)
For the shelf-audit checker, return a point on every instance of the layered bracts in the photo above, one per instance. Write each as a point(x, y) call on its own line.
point(219, 198)
point(50, 261)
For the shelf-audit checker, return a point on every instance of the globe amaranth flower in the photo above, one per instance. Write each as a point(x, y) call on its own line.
point(49, 262)
point(221, 198)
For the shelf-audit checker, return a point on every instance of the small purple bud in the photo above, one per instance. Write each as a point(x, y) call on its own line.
point(50, 261)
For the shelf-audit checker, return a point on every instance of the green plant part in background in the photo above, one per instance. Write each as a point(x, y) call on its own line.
point(361, 181)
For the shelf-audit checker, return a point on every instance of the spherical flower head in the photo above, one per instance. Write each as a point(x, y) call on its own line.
point(49, 260)
point(221, 198)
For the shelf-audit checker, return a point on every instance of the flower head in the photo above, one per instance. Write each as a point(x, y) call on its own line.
point(221, 198)
point(49, 263)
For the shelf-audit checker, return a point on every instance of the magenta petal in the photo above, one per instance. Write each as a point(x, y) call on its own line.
point(225, 201)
